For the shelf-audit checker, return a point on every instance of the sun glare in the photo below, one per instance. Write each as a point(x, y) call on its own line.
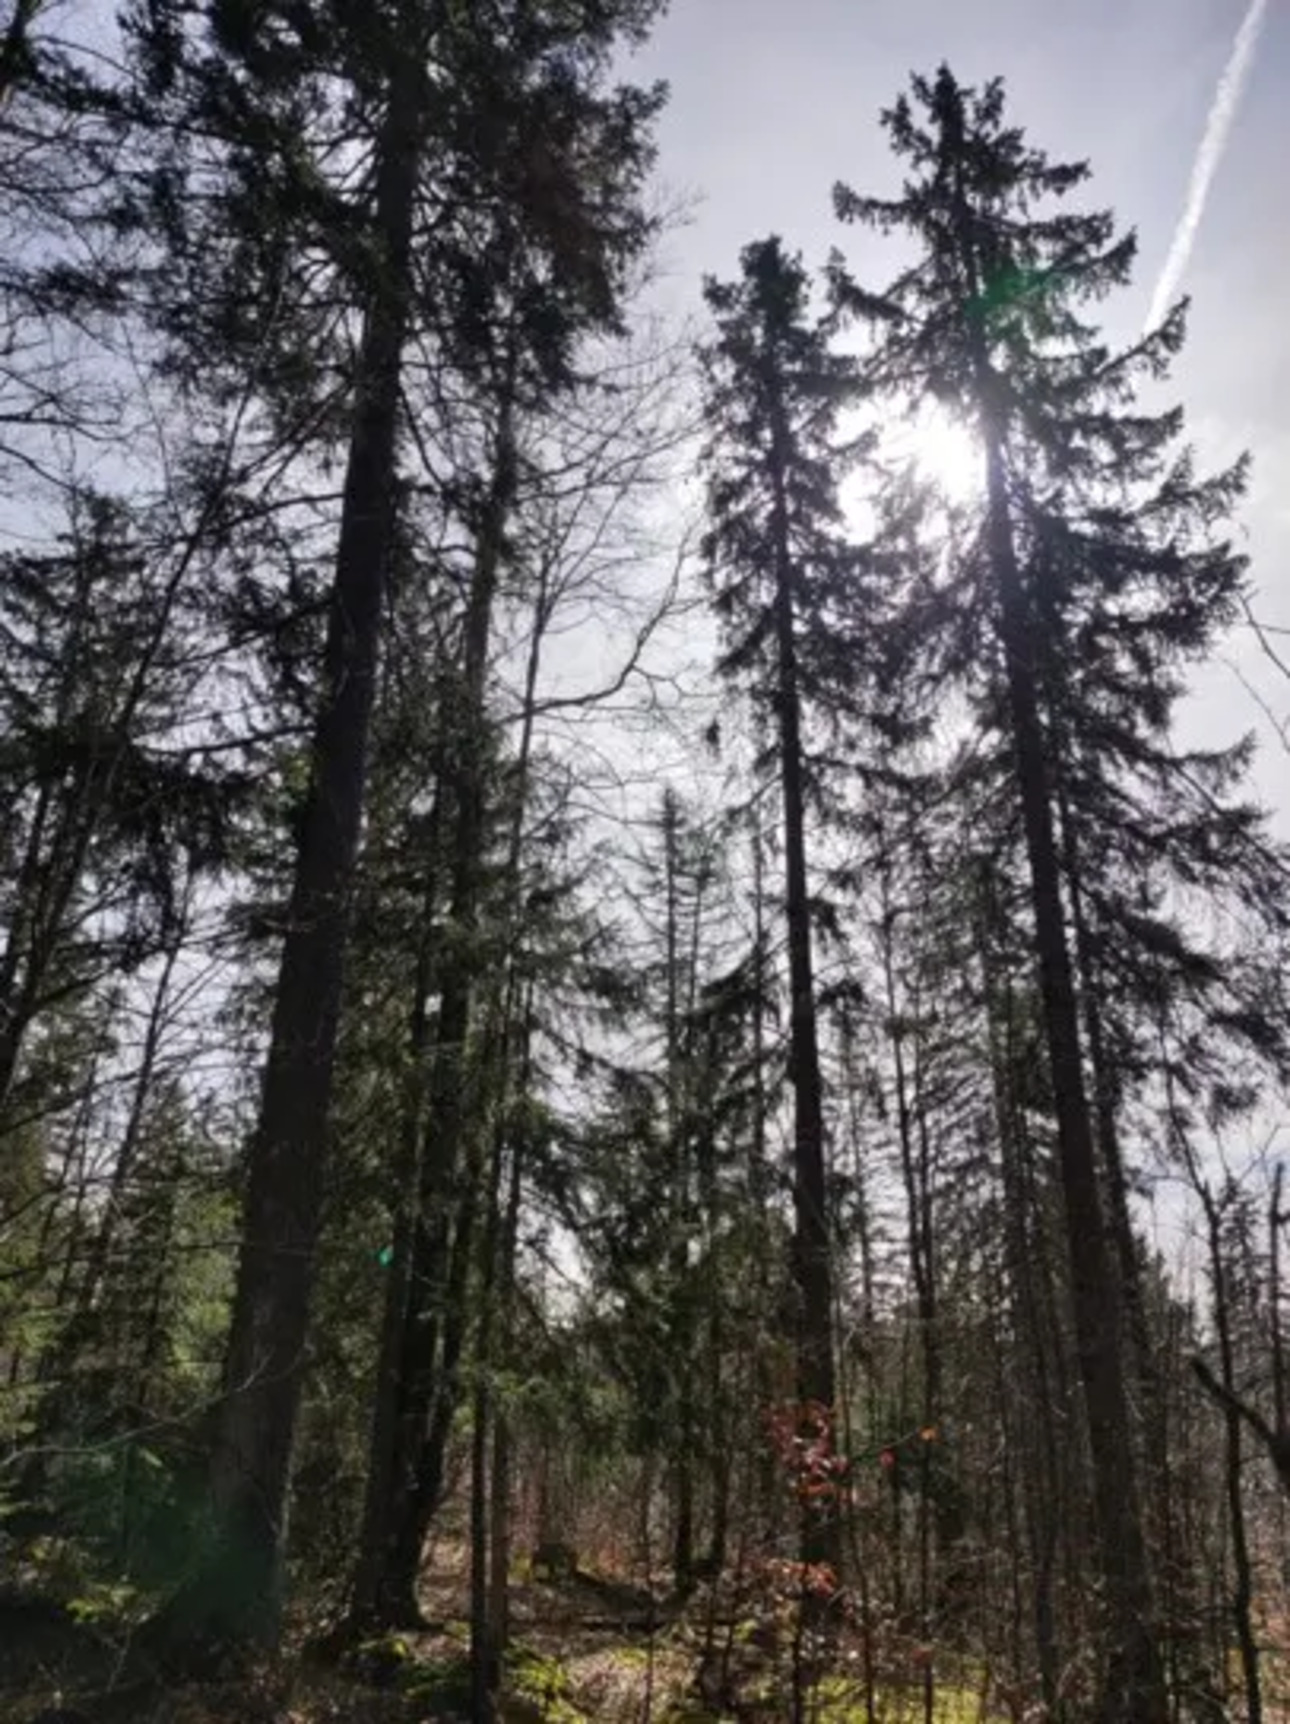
point(942, 451)
point(945, 452)
point(941, 448)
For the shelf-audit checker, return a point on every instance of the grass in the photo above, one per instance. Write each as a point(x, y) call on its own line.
point(842, 1701)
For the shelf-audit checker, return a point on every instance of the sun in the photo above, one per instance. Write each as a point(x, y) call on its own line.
point(944, 451)
point(940, 449)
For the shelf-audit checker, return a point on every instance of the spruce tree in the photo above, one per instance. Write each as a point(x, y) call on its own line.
point(498, 200)
point(102, 817)
point(1097, 572)
point(784, 578)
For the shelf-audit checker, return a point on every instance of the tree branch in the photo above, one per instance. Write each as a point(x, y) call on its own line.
point(1277, 1443)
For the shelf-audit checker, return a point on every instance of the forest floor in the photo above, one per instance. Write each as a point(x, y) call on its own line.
point(583, 1648)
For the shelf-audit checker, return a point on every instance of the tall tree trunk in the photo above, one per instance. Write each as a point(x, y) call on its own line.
point(769, 1493)
point(812, 1266)
point(718, 1425)
point(490, 1496)
point(1242, 1568)
point(427, 1417)
point(434, 1321)
point(484, 1665)
point(485, 1668)
point(1041, 1487)
point(1131, 1683)
point(489, 1503)
point(236, 1593)
point(383, 1446)
point(500, 1532)
point(1105, 1110)
point(681, 1364)
point(506, 995)
point(1276, 1221)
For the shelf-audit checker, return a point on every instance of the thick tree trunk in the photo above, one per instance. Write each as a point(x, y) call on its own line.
point(236, 1594)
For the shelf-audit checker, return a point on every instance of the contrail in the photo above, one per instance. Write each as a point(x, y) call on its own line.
point(1227, 99)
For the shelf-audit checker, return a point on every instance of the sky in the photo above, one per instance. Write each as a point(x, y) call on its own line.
point(774, 100)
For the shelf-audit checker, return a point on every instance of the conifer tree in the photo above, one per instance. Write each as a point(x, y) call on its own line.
point(100, 822)
point(1098, 573)
point(499, 198)
point(784, 579)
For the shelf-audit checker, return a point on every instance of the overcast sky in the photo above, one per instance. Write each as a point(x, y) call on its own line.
point(773, 100)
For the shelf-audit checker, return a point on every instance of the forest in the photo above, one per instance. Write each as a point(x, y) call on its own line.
point(614, 996)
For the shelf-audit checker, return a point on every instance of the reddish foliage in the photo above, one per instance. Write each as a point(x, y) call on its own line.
point(801, 1435)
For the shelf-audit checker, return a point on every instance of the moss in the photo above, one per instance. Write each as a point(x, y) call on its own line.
point(632, 1657)
point(442, 1686)
point(541, 1682)
point(842, 1701)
